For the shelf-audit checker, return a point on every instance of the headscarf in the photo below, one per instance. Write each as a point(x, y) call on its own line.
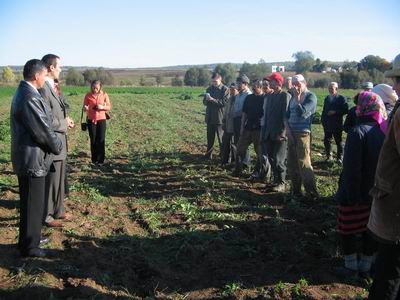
point(371, 105)
point(386, 92)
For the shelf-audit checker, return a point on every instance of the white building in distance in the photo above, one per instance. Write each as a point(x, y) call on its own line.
point(278, 69)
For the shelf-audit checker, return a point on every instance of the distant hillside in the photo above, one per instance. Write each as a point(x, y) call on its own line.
point(154, 69)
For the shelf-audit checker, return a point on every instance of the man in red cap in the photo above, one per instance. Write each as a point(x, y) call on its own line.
point(273, 134)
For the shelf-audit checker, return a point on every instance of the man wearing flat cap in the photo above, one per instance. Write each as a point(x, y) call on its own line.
point(243, 87)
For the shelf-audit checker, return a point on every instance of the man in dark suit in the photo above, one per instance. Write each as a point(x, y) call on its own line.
point(33, 143)
point(335, 107)
point(215, 98)
point(273, 135)
point(55, 181)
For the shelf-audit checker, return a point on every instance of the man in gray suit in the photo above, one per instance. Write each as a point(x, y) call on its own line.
point(273, 135)
point(55, 181)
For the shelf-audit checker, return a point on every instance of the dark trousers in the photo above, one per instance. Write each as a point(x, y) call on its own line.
point(351, 242)
point(277, 153)
point(97, 134)
point(263, 167)
point(32, 198)
point(55, 192)
point(227, 149)
point(386, 285)
point(337, 136)
point(212, 131)
point(237, 123)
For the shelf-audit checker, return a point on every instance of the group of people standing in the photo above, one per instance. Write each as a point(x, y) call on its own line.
point(39, 146)
point(278, 124)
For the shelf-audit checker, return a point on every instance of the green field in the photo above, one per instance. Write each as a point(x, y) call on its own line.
point(158, 221)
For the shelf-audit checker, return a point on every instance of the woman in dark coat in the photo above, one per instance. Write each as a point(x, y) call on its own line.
point(361, 153)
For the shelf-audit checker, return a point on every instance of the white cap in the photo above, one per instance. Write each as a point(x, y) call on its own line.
point(298, 78)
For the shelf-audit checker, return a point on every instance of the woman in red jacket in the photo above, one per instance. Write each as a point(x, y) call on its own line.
point(97, 104)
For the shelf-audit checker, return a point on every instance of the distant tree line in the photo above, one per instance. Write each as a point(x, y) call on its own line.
point(349, 74)
point(74, 77)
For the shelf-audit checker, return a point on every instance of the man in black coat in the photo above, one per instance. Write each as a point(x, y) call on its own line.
point(335, 107)
point(215, 99)
point(33, 143)
point(273, 135)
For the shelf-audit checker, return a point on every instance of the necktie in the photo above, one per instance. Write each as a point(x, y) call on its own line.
point(57, 89)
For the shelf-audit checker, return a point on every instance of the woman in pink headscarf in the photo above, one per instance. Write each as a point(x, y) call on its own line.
point(361, 153)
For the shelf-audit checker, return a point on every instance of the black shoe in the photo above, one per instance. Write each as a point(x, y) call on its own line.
point(345, 273)
point(35, 252)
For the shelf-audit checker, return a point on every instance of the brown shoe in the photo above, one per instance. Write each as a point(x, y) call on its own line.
point(54, 223)
point(66, 217)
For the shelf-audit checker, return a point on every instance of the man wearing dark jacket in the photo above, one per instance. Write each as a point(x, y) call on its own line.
point(33, 143)
point(215, 98)
point(335, 107)
point(273, 135)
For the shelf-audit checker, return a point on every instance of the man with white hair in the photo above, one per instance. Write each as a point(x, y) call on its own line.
point(300, 112)
point(335, 107)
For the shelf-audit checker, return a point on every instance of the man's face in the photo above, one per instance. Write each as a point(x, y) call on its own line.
point(40, 78)
point(257, 89)
point(289, 84)
point(234, 91)
point(332, 90)
point(274, 84)
point(242, 86)
point(396, 86)
point(266, 87)
point(299, 86)
point(55, 70)
point(216, 81)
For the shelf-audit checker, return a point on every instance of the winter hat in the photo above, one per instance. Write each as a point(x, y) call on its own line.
point(367, 85)
point(395, 71)
point(243, 78)
point(298, 78)
point(386, 92)
point(277, 77)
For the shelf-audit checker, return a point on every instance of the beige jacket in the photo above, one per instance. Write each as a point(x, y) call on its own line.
point(384, 219)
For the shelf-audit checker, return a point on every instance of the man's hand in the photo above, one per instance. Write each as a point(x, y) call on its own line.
point(86, 107)
point(70, 122)
point(331, 113)
point(281, 138)
point(100, 107)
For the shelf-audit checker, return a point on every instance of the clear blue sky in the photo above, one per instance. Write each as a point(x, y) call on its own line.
point(129, 33)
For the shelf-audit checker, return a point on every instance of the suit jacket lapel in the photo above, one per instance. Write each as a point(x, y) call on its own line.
point(55, 95)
